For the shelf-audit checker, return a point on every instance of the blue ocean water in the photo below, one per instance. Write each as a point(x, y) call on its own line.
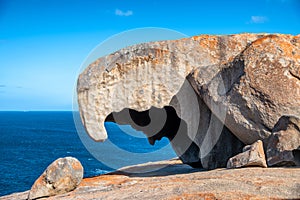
point(30, 141)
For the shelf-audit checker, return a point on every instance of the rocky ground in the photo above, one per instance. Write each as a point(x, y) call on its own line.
point(179, 181)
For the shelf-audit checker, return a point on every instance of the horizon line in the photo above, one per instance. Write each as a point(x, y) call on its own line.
point(39, 111)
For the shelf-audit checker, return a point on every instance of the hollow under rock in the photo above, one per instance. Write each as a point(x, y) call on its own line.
point(157, 123)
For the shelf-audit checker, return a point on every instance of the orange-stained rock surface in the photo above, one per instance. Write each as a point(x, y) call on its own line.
point(257, 87)
point(179, 181)
point(226, 91)
point(61, 176)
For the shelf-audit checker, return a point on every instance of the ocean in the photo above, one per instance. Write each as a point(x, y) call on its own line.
point(30, 141)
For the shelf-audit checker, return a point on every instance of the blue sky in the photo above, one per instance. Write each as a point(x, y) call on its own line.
point(43, 43)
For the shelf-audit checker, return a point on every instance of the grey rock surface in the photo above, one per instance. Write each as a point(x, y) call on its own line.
point(252, 155)
point(283, 147)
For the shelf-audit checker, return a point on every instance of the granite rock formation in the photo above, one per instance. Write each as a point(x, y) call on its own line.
point(61, 176)
point(257, 87)
point(188, 89)
point(252, 155)
point(284, 144)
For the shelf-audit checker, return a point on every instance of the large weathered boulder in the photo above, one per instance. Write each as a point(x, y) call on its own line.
point(246, 82)
point(61, 176)
point(257, 87)
point(284, 144)
point(252, 155)
point(152, 75)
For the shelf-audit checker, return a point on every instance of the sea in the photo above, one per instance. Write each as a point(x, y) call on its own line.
point(30, 141)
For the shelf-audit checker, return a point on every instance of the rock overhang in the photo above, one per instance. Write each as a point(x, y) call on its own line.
point(162, 65)
point(224, 73)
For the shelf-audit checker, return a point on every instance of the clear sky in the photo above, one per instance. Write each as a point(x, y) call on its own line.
point(44, 42)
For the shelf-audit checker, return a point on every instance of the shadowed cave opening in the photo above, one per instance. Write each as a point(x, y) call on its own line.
point(157, 123)
point(296, 154)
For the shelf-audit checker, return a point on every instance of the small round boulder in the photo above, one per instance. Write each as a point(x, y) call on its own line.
point(61, 176)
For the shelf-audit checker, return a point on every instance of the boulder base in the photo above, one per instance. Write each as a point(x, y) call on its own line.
point(253, 155)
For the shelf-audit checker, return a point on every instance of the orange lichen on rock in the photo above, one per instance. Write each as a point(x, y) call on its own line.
point(207, 41)
point(105, 180)
point(159, 53)
point(61, 176)
point(194, 196)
